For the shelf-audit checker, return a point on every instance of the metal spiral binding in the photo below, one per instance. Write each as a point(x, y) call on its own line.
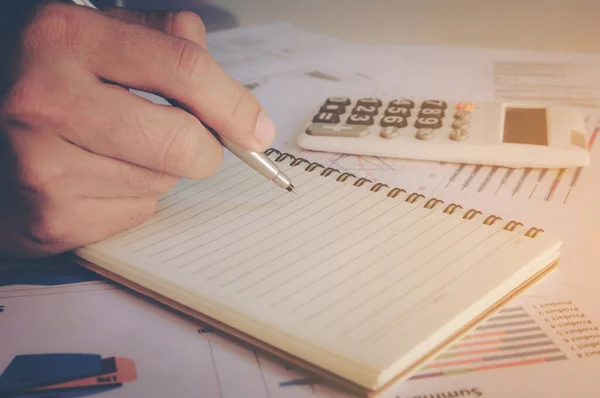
point(490, 220)
point(511, 225)
point(378, 186)
point(451, 208)
point(394, 192)
point(533, 232)
point(360, 182)
point(471, 213)
point(412, 198)
point(344, 176)
point(431, 203)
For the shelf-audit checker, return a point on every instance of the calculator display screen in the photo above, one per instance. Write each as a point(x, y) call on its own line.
point(525, 126)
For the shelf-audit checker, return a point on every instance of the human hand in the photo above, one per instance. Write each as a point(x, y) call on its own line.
point(82, 158)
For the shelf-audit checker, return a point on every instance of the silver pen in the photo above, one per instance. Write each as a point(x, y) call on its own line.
point(258, 161)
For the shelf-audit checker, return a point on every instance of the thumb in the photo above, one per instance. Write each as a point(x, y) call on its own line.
point(184, 24)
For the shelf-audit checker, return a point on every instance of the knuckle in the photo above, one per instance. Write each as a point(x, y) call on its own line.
point(165, 183)
point(215, 163)
point(239, 99)
point(27, 102)
point(18, 101)
point(148, 207)
point(48, 228)
point(192, 62)
point(24, 95)
point(39, 175)
point(180, 151)
point(211, 164)
point(52, 23)
point(140, 179)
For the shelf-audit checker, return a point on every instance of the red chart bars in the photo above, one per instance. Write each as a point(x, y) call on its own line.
point(508, 339)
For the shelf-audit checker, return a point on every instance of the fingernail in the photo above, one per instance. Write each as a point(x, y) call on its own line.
point(264, 130)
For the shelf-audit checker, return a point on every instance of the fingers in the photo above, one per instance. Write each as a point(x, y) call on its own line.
point(58, 171)
point(101, 177)
point(161, 138)
point(147, 59)
point(51, 231)
point(184, 24)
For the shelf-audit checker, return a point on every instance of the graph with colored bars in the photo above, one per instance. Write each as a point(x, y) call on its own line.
point(514, 337)
point(539, 194)
point(526, 182)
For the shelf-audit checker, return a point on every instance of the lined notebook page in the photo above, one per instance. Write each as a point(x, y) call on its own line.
point(351, 272)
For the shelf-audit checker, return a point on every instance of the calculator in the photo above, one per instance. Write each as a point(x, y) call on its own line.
point(488, 133)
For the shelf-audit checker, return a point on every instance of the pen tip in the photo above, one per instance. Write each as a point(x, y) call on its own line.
point(292, 189)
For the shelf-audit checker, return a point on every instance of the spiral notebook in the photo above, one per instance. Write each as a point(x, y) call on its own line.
point(354, 280)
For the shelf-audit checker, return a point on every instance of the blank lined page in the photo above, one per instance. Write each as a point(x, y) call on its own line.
point(338, 266)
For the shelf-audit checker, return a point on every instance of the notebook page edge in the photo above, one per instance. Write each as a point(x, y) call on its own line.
point(483, 309)
point(356, 373)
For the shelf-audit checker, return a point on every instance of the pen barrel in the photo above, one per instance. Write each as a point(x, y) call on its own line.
point(258, 161)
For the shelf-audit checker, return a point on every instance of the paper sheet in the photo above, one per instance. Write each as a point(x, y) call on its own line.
point(562, 308)
point(547, 344)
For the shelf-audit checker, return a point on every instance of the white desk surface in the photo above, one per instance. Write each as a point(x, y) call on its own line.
point(544, 25)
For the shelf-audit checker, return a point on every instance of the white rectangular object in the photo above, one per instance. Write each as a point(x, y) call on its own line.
point(489, 133)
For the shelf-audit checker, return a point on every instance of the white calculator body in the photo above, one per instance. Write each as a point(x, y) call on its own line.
point(487, 133)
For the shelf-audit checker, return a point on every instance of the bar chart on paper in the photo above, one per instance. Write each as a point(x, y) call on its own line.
point(511, 338)
point(520, 335)
point(540, 195)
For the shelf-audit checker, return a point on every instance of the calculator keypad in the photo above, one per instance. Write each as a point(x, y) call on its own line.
point(333, 108)
point(357, 118)
point(370, 110)
point(402, 103)
point(430, 122)
point(338, 130)
point(394, 121)
point(390, 132)
point(425, 134)
point(376, 102)
point(326, 117)
point(397, 111)
point(338, 100)
point(459, 134)
point(402, 117)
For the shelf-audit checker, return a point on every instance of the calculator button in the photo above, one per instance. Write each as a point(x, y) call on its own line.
point(459, 134)
point(431, 112)
point(402, 103)
point(466, 106)
point(390, 132)
point(428, 122)
point(365, 110)
point(393, 121)
point(425, 134)
point(337, 130)
point(333, 108)
point(461, 123)
point(326, 117)
point(434, 104)
point(366, 120)
point(369, 102)
point(397, 111)
point(462, 114)
point(338, 100)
